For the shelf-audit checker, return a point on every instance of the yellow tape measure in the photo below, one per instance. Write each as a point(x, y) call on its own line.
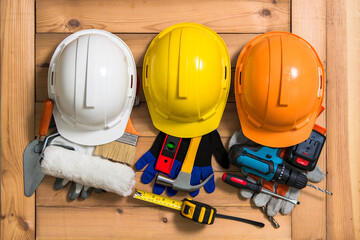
point(196, 211)
point(157, 199)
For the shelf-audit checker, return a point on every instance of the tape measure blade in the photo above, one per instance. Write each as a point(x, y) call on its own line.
point(157, 199)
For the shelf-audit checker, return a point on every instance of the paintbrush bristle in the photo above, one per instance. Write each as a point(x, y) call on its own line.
point(116, 151)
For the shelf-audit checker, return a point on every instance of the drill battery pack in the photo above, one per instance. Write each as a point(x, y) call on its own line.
point(305, 155)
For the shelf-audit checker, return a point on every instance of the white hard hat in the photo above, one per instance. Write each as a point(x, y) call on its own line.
point(92, 79)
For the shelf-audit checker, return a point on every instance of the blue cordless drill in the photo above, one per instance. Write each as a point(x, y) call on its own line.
point(266, 163)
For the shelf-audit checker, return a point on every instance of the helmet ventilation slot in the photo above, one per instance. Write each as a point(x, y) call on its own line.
point(52, 78)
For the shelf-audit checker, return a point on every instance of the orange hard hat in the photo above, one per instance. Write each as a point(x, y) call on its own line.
point(279, 89)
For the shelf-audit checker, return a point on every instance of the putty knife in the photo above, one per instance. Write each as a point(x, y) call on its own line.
point(33, 152)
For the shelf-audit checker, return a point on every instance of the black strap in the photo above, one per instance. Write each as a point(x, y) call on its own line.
point(258, 224)
point(219, 150)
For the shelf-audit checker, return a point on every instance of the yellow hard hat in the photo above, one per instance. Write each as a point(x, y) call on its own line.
point(186, 80)
point(279, 89)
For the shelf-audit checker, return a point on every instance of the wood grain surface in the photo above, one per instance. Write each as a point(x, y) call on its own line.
point(145, 222)
point(340, 220)
point(140, 16)
point(309, 21)
point(17, 115)
point(330, 26)
point(353, 100)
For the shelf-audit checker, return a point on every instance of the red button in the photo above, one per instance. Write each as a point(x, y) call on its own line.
point(302, 162)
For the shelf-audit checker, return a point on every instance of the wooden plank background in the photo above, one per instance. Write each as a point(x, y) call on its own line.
point(107, 215)
point(340, 126)
point(17, 115)
point(353, 102)
point(137, 27)
point(137, 16)
point(309, 22)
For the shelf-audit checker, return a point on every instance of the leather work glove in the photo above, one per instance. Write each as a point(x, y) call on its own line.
point(76, 189)
point(210, 144)
point(150, 158)
point(273, 205)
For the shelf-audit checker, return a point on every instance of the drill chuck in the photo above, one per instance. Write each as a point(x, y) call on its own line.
point(290, 177)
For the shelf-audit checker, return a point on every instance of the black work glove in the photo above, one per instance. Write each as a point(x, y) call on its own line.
point(210, 144)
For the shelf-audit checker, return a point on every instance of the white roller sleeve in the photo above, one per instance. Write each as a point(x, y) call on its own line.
point(88, 170)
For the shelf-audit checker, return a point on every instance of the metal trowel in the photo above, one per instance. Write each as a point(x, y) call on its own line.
point(34, 151)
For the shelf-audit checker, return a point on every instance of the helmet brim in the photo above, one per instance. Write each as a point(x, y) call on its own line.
point(87, 137)
point(186, 129)
point(276, 139)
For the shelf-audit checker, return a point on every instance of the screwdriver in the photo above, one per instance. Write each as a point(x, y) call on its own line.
point(242, 183)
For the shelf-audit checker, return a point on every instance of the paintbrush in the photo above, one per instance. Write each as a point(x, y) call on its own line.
point(121, 150)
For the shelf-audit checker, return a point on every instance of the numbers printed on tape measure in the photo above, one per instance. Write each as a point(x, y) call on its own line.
point(157, 199)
